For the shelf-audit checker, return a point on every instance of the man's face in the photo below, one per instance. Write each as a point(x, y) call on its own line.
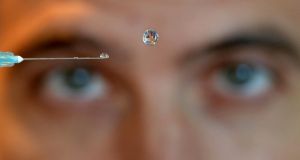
point(221, 83)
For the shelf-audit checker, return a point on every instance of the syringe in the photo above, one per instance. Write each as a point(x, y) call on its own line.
point(8, 59)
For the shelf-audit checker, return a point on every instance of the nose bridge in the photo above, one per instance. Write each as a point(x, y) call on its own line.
point(158, 116)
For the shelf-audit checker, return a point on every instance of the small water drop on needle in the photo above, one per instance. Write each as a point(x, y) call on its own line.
point(104, 55)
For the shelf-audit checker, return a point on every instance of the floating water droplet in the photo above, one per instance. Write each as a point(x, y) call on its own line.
point(150, 37)
point(104, 55)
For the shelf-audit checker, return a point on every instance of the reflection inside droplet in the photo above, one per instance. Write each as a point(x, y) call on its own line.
point(150, 37)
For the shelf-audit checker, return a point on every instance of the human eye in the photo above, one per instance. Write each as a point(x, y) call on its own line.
point(247, 78)
point(244, 79)
point(74, 85)
point(65, 85)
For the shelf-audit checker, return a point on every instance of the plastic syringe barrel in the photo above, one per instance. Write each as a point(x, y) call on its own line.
point(8, 59)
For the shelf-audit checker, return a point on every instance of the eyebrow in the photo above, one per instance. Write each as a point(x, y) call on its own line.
point(265, 37)
point(61, 41)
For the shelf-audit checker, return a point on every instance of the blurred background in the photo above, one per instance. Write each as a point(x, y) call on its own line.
point(220, 83)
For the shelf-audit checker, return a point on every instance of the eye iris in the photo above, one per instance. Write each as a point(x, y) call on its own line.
point(240, 74)
point(77, 79)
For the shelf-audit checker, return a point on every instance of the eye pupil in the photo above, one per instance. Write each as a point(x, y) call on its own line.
point(77, 79)
point(240, 74)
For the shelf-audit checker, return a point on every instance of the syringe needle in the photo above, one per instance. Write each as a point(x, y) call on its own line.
point(63, 58)
point(8, 59)
point(102, 56)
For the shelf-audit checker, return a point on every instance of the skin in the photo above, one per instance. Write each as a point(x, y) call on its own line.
point(159, 102)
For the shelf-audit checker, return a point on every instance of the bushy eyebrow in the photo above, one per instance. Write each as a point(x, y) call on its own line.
point(61, 41)
point(264, 37)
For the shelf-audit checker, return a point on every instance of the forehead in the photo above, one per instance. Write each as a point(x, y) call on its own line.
point(155, 10)
point(20, 6)
point(169, 16)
